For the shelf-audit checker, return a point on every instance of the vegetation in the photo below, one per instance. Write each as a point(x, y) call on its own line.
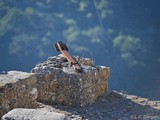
point(120, 34)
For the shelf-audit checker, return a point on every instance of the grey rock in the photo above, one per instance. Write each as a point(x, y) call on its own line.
point(115, 109)
point(33, 114)
point(53, 81)
point(62, 84)
point(17, 89)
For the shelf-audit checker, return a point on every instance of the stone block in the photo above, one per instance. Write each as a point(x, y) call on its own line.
point(59, 83)
point(17, 89)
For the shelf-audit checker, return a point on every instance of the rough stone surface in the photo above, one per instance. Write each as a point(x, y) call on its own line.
point(33, 114)
point(17, 89)
point(115, 106)
point(59, 83)
point(53, 81)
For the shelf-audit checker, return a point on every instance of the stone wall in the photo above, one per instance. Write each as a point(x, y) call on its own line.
point(53, 81)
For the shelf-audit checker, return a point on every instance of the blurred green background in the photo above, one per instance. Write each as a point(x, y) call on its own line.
point(121, 34)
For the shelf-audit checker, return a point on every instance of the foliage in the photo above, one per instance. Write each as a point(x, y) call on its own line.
point(30, 25)
point(128, 46)
point(120, 34)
